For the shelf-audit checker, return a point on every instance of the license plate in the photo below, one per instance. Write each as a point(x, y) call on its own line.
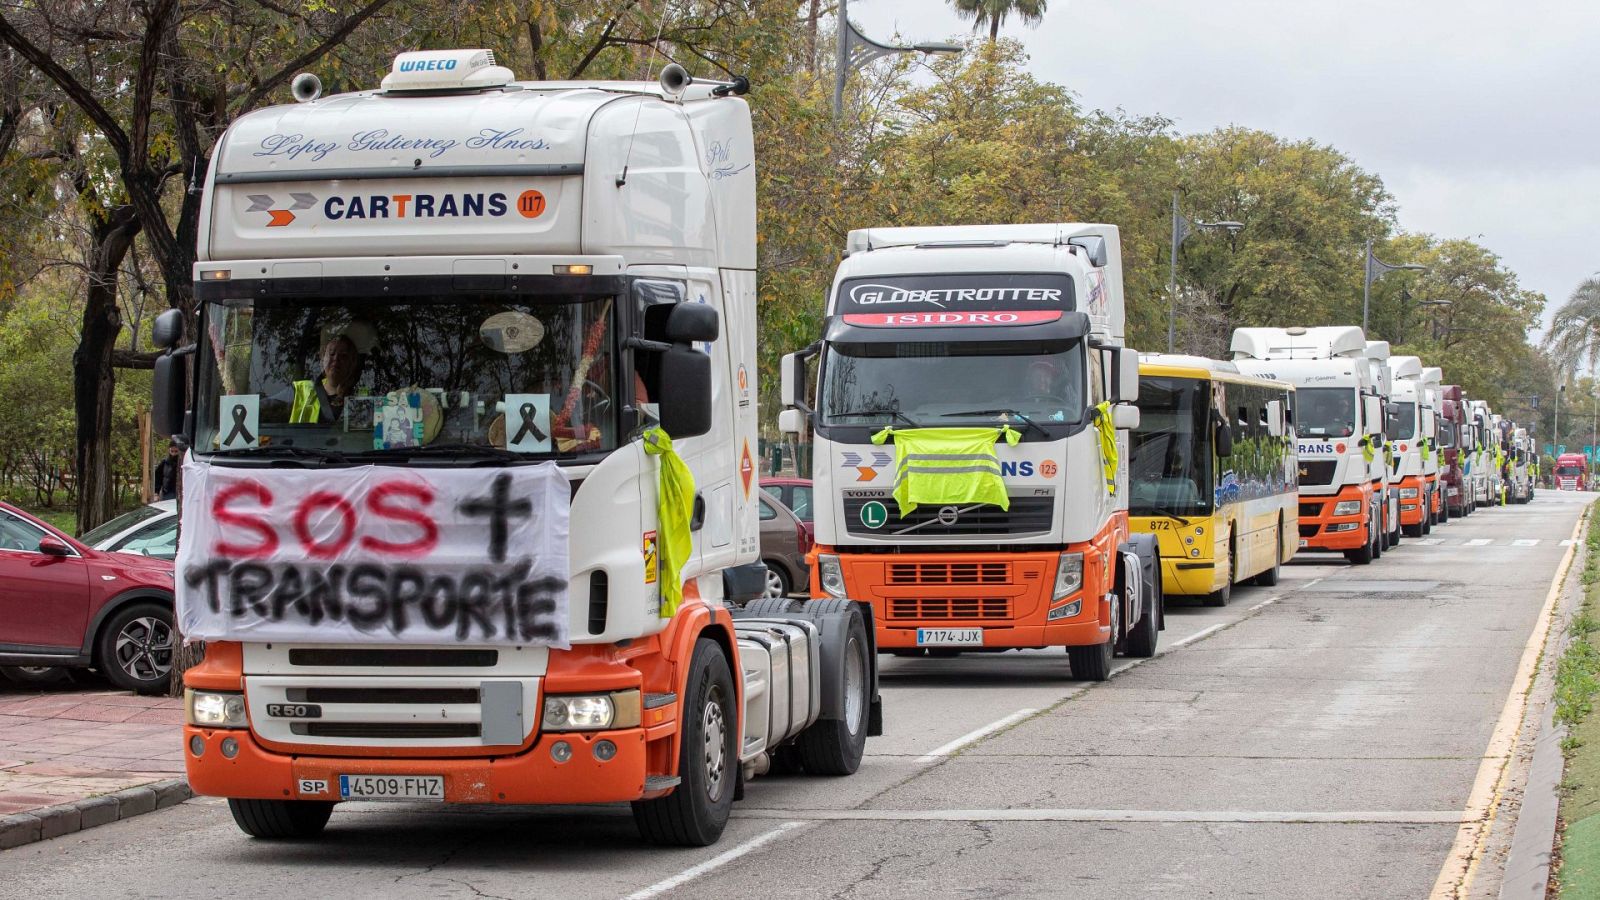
point(939, 637)
point(1304, 542)
point(391, 787)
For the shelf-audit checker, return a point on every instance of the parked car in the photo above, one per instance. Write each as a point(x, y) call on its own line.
point(796, 494)
point(784, 545)
point(65, 603)
point(150, 530)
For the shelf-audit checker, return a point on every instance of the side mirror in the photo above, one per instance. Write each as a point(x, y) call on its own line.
point(1275, 418)
point(169, 385)
point(1221, 436)
point(167, 330)
point(1125, 376)
point(1093, 246)
point(52, 546)
point(690, 322)
point(1124, 417)
point(791, 421)
point(787, 379)
point(1372, 413)
point(686, 406)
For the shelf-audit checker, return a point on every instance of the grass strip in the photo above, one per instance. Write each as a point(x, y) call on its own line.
point(1577, 687)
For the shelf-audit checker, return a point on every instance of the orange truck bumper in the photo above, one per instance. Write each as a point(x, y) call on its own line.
point(1411, 509)
point(1320, 529)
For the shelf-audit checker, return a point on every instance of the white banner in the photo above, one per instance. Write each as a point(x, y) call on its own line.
point(375, 554)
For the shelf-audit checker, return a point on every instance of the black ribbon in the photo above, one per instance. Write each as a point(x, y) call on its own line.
point(239, 431)
point(526, 411)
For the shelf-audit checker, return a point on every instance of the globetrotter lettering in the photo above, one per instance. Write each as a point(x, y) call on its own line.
point(375, 554)
point(886, 294)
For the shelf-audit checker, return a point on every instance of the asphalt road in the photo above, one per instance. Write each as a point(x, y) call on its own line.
point(1316, 739)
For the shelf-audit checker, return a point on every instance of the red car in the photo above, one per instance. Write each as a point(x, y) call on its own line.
point(63, 603)
point(794, 493)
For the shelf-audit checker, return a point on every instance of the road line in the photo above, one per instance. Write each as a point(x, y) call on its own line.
point(1199, 634)
point(1525, 542)
point(1455, 878)
point(715, 862)
point(1267, 602)
point(1480, 542)
point(971, 736)
point(1161, 816)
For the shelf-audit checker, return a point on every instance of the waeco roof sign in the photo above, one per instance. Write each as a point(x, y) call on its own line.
point(965, 293)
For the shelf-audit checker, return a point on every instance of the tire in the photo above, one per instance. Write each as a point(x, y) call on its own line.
point(280, 819)
point(1142, 640)
point(1222, 595)
point(835, 746)
point(1270, 577)
point(778, 585)
point(1365, 555)
point(1092, 663)
point(696, 811)
point(1413, 531)
point(36, 676)
point(135, 647)
point(772, 606)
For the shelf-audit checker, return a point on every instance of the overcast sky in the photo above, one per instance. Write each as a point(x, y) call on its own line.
point(1483, 119)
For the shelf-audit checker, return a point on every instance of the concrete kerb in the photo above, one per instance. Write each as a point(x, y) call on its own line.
point(54, 821)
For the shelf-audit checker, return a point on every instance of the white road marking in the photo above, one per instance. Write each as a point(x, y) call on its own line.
point(1480, 542)
point(1568, 542)
point(1199, 634)
point(1525, 542)
point(946, 749)
point(1427, 542)
point(715, 862)
point(1267, 602)
point(1408, 817)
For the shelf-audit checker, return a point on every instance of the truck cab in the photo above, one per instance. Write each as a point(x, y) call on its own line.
point(1571, 472)
point(1455, 451)
point(1407, 422)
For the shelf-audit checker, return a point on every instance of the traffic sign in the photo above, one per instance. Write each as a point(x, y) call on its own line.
point(874, 515)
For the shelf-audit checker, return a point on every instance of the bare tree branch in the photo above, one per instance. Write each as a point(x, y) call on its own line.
point(335, 38)
point(81, 95)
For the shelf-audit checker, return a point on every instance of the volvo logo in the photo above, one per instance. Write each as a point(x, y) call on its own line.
point(948, 515)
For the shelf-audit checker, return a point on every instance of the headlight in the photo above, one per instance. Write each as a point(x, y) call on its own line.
point(211, 709)
point(831, 574)
point(590, 712)
point(1069, 576)
point(1408, 493)
point(1347, 508)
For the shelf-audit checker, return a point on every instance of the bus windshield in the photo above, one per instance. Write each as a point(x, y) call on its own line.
point(388, 376)
point(1170, 468)
point(1325, 412)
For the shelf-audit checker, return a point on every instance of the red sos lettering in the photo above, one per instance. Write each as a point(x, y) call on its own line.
point(393, 502)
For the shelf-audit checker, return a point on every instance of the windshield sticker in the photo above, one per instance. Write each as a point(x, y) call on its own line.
point(241, 421)
point(397, 422)
point(511, 332)
point(883, 320)
point(527, 423)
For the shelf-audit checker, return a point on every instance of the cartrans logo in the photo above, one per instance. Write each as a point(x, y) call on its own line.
point(279, 217)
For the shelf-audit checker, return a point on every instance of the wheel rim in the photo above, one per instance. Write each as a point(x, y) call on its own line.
point(714, 725)
point(855, 678)
point(144, 648)
point(775, 584)
point(34, 670)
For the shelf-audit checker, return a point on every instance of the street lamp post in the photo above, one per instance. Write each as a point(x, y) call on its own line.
point(856, 50)
point(1555, 429)
point(1375, 269)
point(1181, 229)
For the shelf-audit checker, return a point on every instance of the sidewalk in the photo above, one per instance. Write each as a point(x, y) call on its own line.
point(62, 745)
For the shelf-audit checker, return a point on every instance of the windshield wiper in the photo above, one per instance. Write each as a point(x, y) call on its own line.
point(884, 411)
point(282, 451)
point(1164, 511)
point(481, 451)
point(995, 412)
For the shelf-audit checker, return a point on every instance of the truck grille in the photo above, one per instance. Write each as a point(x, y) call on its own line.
point(965, 609)
point(386, 730)
point(1309, 530)
point(397, 657)
point(417, 712)
point(949, 573)
point(1310, 510)
point(1317, 471)
point(1028, 515)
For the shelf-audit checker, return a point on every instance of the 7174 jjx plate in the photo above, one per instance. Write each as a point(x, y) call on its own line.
point(948, 637)
point(391, 787)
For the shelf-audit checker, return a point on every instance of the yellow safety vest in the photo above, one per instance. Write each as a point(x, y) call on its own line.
point(307, 408)
point(947, 466)
point(1108, 445)
point(674, 509)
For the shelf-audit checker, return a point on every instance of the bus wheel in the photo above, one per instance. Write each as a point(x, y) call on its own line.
point(1270, 577)
point(1222, 595)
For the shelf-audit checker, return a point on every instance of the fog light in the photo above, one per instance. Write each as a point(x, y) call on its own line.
point(1344, 526)
point(230, 748)
point(1195, 552)
point(197, 746)
point(561, 751)
point(1065, 611)
point(605, 751)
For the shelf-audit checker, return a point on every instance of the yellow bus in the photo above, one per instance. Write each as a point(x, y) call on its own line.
point(1214, 474)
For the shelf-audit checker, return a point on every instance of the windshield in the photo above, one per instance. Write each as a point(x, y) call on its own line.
point(1325, 412)
point(1447, 434)
point(1170, 469)
point(389, 375)
point(932, 384)
point(120, 524)
point(1401, 421)
point(1569, 470)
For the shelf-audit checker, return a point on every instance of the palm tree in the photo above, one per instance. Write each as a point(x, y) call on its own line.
point(994, 13)
point(1574, 337)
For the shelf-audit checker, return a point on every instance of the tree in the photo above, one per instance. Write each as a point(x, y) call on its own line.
point(994, 13)
point(1574, 338)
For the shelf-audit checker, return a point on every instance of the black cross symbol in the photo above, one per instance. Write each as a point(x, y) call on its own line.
point(239, 431)
point(499, 507)
point(528, 427)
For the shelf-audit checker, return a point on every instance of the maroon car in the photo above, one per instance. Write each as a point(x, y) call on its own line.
point(63, 603)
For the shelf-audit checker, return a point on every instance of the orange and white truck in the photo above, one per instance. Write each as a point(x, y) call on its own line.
point(1014, 328)
point(469, 507)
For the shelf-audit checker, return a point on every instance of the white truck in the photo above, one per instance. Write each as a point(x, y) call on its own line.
point(1383, 375)
point(469, 503)
point(1431, 399)
point(1339, 430)
point(1408, 425)
point(1483, 477)
point(1015, 327)
point(1521, 460)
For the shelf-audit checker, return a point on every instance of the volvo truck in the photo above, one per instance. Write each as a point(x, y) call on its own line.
point(1013, 333)
point(469, 505)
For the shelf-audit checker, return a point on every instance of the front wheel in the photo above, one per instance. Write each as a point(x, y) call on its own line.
point(280, 819)
point(1142, 640)
point(1222, 595)
point(696, 811)
point(1092, 663)
point(1270, 577)
point(136, 648)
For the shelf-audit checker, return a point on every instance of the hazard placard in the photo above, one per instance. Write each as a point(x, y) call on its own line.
point(747, 469)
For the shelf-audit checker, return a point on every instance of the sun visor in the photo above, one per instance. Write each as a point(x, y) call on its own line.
point(943, 327)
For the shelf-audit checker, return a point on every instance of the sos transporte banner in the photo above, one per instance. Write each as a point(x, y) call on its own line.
point(375, 554)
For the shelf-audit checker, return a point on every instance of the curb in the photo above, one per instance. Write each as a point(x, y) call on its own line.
point(54, 821)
